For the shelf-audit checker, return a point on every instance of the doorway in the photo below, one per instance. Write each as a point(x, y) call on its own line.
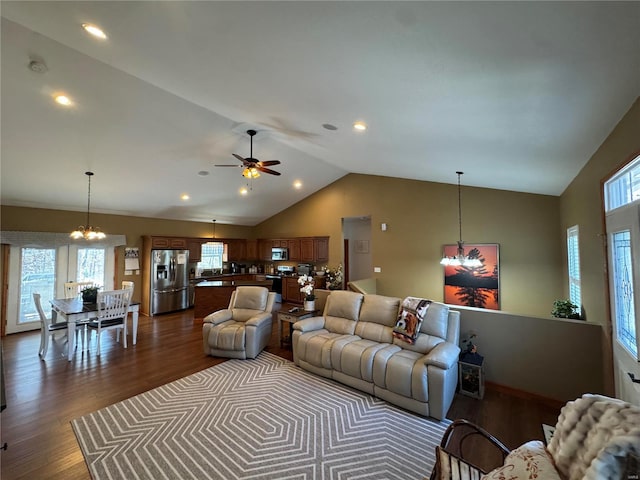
point(622, 207)
point(356, 232)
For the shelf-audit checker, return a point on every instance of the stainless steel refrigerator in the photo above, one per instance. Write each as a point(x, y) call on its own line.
point(169, 280)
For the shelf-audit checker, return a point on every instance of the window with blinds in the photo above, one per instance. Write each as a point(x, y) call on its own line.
point(573, 258)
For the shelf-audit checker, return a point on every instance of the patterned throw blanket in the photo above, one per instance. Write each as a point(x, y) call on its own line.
point(596, 438)
point(410, 319)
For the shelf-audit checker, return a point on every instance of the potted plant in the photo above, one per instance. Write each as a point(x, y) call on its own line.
point(469, 351)
point(90, 294)
point(307, 288)
point(565, 309)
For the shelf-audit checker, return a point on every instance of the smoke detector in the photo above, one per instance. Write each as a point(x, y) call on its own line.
point(37, 66)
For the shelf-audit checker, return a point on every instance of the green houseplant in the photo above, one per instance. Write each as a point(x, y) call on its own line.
point(565, 309)
point(90, 294)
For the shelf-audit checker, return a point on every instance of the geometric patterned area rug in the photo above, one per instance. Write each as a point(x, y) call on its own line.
point(257, 419)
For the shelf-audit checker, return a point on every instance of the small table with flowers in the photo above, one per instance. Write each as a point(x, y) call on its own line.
point(290, 314)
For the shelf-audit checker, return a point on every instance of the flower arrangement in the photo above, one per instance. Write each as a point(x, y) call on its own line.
point(334, 277)
point(307, 287)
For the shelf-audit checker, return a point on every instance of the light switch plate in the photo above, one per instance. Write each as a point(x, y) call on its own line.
point(377, 270)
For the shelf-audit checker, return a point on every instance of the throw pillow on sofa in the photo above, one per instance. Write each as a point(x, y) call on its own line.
point(413, 312)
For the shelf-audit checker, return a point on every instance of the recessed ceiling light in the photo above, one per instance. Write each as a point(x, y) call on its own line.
point(95, 31)
point(203, 173)
point(244, 191)
point(360, 126)
point(185, 196)
point(297, 184)
point(328, 126)
point(62, 100)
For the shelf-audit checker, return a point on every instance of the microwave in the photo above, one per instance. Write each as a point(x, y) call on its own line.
point(279, 254)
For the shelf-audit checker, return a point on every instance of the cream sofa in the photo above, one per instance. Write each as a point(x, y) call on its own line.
point(353, 343)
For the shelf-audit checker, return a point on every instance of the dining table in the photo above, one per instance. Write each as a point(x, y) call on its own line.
point(76, 313)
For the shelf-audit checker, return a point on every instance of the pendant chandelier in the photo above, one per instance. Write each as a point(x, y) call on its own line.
point(460, 259)
point(87, 231)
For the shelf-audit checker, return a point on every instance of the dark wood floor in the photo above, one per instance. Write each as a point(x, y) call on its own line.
point(44, 396)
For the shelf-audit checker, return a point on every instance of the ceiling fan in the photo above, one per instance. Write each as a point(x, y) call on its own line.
point(253, 166)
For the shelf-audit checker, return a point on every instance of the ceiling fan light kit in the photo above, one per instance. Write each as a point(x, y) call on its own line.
point(251, 167)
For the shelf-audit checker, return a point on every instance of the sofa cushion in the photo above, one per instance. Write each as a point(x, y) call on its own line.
point(355, 357)
point(423, 344)
point(410, 319)
point(229, 335)
point(315, 347)
point(436, 320)
point(530, 460)
point(403, 373)
point(343, 304)
point(380, 309)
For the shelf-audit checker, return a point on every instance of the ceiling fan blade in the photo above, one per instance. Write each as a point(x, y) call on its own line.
point(266, 170)
point(239, 158)
point(268, 163)
point(228, 165)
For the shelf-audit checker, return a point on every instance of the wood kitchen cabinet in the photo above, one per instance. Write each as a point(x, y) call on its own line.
point(321, 249)
point(169, 242)
point(264, 249)
point(306, 250)
point(252, 250)
point(195, 249)
point(236, 249)
point(291, 290)
point(294, 249)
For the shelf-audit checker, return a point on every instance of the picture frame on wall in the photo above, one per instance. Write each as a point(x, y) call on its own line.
point(474, 286)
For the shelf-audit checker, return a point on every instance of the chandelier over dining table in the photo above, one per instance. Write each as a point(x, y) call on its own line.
point(87, 231)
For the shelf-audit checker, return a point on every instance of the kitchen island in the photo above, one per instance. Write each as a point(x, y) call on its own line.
point(214, 295)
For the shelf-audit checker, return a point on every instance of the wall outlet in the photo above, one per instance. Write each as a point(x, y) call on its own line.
point(377, 270)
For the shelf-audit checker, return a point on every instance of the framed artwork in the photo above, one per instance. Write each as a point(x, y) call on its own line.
point(474, 286)
point(362, 246)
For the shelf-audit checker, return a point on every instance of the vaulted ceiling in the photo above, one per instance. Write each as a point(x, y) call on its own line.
point(518, 95)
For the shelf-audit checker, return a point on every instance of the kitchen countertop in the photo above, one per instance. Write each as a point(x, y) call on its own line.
point(234, 283)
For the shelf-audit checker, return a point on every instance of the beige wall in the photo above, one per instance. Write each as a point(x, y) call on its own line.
point(537, 355)
point(421, 217)
point(581, 205)
point(41, 220)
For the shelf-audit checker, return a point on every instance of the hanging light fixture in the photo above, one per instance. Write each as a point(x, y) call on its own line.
point(87, 231)
point(214, 228)
point(460, 258)
point(250, 172)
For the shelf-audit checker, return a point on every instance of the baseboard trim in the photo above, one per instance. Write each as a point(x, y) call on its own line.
point(549, 402)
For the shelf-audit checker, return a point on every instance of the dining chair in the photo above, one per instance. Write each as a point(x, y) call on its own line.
point(127, 284)
point(72, 289)
point(112, 313)
point(47, 327)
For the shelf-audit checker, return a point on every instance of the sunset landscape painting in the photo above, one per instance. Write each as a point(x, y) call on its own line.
point(474, 286)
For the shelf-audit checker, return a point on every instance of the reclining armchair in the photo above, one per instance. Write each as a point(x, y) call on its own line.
point(243, 330)
point(595, 438)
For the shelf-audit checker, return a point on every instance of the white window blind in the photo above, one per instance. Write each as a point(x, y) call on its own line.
point(573, 258)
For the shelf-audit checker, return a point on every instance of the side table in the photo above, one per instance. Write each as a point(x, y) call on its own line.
point(285, 315)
